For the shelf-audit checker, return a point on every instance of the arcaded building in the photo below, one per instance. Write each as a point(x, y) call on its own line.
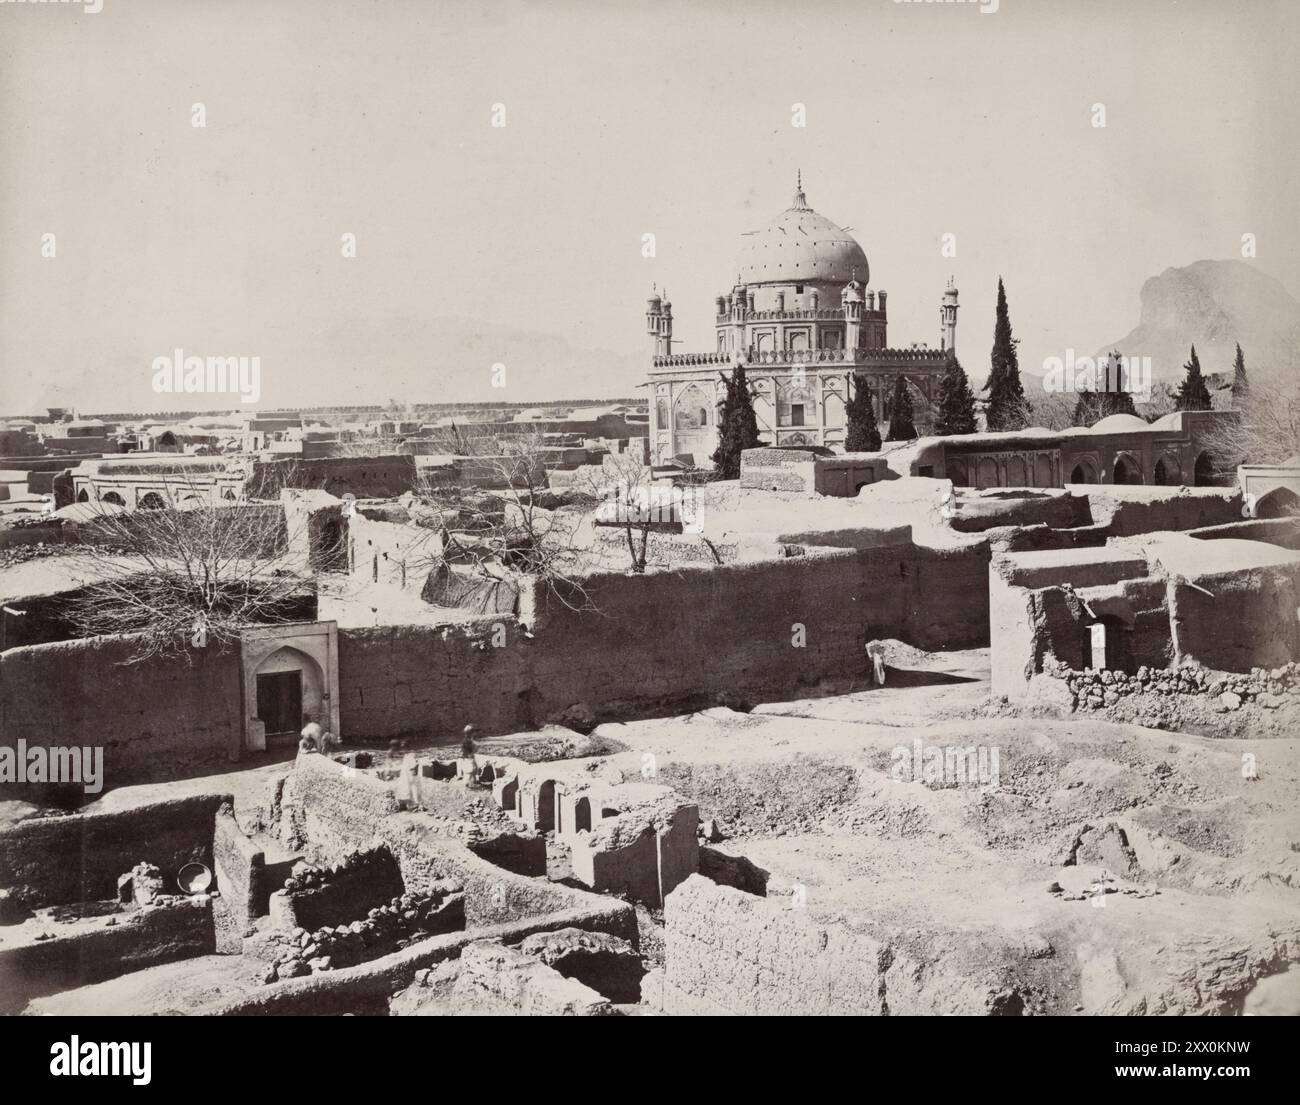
point(805, 321)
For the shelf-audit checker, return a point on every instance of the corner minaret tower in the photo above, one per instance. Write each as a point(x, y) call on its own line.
point(948, 319)
point(659, 324)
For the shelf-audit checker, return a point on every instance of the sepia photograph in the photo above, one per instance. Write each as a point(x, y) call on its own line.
point(712, 509)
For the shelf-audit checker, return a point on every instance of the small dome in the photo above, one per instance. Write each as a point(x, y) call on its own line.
point(1119, 424)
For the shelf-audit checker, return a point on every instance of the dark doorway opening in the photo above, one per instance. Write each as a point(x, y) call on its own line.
point(582, 815)
point(279, 704)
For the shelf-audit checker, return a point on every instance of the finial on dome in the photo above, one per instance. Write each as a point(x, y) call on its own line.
point(800, 200)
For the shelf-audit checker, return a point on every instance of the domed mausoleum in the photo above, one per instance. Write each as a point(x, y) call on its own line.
point(802, 317)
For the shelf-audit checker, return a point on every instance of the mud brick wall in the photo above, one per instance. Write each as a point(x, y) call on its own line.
point(160, 934)
point(150, 717)
point(240, 868)
point(433, 680)
point(1172, 512)
point(1275, 531)
point(1238, 621)
point(683, 637)
point(728, 952)
point(331, 809)
point(58, 860)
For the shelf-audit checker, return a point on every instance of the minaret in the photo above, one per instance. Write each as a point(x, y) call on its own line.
point(853, 302)
point(659, 324)
point(948, 319)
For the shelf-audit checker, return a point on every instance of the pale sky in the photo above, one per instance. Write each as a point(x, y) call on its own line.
point(374, 118)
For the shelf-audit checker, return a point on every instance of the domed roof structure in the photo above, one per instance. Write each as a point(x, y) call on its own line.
point(799, 245)
point(1119, 424)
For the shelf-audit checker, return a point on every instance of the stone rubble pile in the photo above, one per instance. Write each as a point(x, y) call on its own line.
point(384, 929)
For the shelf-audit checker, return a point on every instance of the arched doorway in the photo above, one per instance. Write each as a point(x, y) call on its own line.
point(1083, 473)
point(1281, 502)
point(290, 692)
point(112, 497)
point(546, 806)
point(1168, 472)
point(582, 815)
point(151, 501)
point(83, 496)
point(1204, 472)
point(1127, 470)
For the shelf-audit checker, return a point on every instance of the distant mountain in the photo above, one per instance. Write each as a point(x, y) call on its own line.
point(1213, 305)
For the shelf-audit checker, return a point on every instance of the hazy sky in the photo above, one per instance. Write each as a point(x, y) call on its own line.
point(374, 118)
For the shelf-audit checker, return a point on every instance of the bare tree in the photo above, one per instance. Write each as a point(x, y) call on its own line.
point(190, 573)
point(1265, 431)
point(505, 523)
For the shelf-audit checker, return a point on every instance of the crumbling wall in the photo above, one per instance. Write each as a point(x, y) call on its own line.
point(1148, 512)
point(152, 717)
point(731, 953)
point(78, 858)
point(1237, 621)
point(240, 868)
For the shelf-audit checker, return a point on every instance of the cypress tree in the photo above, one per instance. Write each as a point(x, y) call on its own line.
point(956, 401)
point(900, 416)
point(1006, 404)
point(863, 435)
point(1092, 406)
point(737, 425)
point(1240, 385)
point(1193, 395)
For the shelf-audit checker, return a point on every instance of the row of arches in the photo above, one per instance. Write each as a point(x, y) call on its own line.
point(1167, 472)
point(150, 500)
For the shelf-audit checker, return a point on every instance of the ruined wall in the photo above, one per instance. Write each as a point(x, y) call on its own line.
point(152, 717)
point(390, 552)
point(240, 868)
point(330, 810)
point(727, 952)
point(58, 860)
point(1238, 620)
point(1153, 512)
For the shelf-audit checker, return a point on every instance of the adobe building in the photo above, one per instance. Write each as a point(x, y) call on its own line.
point(1176, 450)
point(802, 318)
